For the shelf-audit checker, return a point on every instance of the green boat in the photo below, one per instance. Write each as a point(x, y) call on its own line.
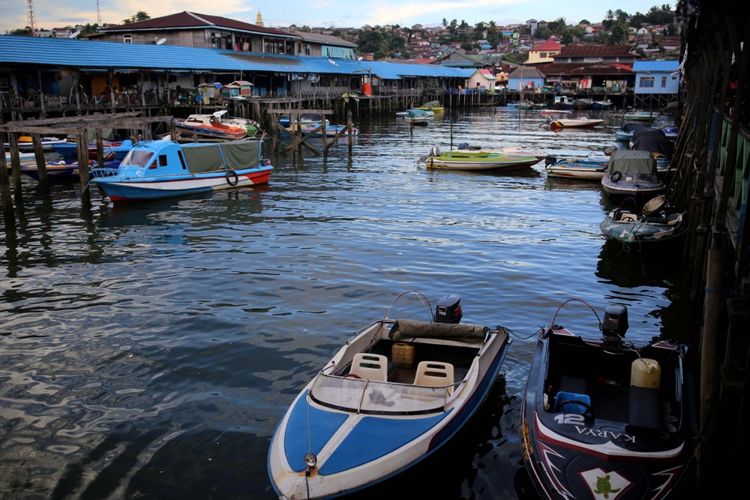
point(478, 160)
point(656, 224)
point(639, 116)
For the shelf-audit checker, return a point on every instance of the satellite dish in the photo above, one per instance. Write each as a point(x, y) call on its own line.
point(160, 41)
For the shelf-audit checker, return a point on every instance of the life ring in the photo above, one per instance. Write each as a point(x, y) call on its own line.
point(616, 176)
point(232, 178)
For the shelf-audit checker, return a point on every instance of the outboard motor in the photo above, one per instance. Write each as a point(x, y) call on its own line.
point(615, 324)
point(448, 309)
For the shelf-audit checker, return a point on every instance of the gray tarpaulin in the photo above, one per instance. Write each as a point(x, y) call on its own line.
point(203, 157)
point(241, 154)
point(631, 162)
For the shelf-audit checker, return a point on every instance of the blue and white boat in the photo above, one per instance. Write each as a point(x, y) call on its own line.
point(591, 167)
point(161, 169)
point(391, 396)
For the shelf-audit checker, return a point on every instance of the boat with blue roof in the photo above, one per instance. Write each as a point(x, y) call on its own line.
point(396, 392)
point(165, 168)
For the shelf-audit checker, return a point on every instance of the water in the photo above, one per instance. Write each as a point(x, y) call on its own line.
point(150, 350)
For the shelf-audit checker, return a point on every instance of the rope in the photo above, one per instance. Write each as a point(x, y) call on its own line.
point(421, 297)
point(527, 337)
point(576, 300)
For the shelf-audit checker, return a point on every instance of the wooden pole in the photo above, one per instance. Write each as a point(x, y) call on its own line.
point(15, 163)
point(349, 129)
point(323, 120)
point(99, 149)
point(41, 163)
point(5, 198)
point(83, 167)
point(41, 93)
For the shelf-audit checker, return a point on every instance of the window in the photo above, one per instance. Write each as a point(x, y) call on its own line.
point(137, 158)
point(647, 81)
point(663, 81)
point(162, 160)
point(182, 160)
point(127, 38)
point(307, 49)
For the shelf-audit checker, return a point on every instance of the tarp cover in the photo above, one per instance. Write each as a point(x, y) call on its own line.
point(241, 154)
point(409, 329)
point(631, 162)
point(652, 139)
point(203, 157)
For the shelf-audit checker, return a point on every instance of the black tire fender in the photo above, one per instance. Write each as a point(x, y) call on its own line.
point(232, 178)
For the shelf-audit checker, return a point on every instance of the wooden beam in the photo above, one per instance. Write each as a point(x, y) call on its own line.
point(296, 112)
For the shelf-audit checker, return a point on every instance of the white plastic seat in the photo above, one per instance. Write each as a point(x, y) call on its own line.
point(370, 366)
point(434, 374)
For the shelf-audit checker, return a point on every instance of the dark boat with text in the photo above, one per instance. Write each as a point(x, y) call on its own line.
point(602, 418)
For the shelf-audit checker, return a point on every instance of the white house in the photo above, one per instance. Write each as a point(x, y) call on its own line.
point(482, 79)
point(657, 77)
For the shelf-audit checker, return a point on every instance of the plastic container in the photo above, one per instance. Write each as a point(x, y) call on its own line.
point(403, 353)
point(646, 373)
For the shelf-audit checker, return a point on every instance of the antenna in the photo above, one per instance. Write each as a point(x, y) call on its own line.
point(98, 14)
point(31, 17)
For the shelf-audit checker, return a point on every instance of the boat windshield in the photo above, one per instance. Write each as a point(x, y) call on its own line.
point(368, 396)
point(137, 158)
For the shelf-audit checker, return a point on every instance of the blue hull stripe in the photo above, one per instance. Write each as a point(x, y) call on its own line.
point(374, 437)
point(321, 427)
point(144, 194)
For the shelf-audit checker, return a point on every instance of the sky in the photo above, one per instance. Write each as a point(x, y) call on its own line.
point(337, 13)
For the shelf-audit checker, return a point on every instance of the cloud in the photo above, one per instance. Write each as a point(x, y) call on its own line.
point(419, 10)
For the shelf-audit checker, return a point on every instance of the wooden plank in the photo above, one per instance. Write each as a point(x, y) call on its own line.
point(297, 112)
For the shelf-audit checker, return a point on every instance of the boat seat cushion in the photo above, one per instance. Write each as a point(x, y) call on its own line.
point(434, 374)
point(565, 402)
point(643, 408)
point(370, 366)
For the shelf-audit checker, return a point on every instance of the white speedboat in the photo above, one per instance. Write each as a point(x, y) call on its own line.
point(391, 396)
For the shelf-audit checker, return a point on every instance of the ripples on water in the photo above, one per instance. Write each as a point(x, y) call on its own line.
point(150, 350)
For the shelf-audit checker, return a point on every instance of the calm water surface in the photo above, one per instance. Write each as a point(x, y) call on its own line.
point(150, 350)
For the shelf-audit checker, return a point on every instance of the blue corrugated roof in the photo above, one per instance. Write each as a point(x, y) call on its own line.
point(90, 55)
point(643, 66)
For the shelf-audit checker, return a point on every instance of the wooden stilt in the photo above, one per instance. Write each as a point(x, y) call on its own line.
point(41, 163)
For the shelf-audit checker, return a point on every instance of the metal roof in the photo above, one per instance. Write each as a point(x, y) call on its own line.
point(85, 54)
point(645, 66)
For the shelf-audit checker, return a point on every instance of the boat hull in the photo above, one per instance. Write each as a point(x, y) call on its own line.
point(593, 173)
point(120, 190)
point(562, 124)
point(642, 232)
point(503, 163)
point(631, 188)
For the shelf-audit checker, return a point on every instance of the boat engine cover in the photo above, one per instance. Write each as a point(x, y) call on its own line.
point(615, 322)
point(448, 309)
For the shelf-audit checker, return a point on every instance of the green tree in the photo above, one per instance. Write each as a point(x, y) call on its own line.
point(618, 33)
point(26, 31)
point(445, 23)
point(138, 16)
point(543, 32)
